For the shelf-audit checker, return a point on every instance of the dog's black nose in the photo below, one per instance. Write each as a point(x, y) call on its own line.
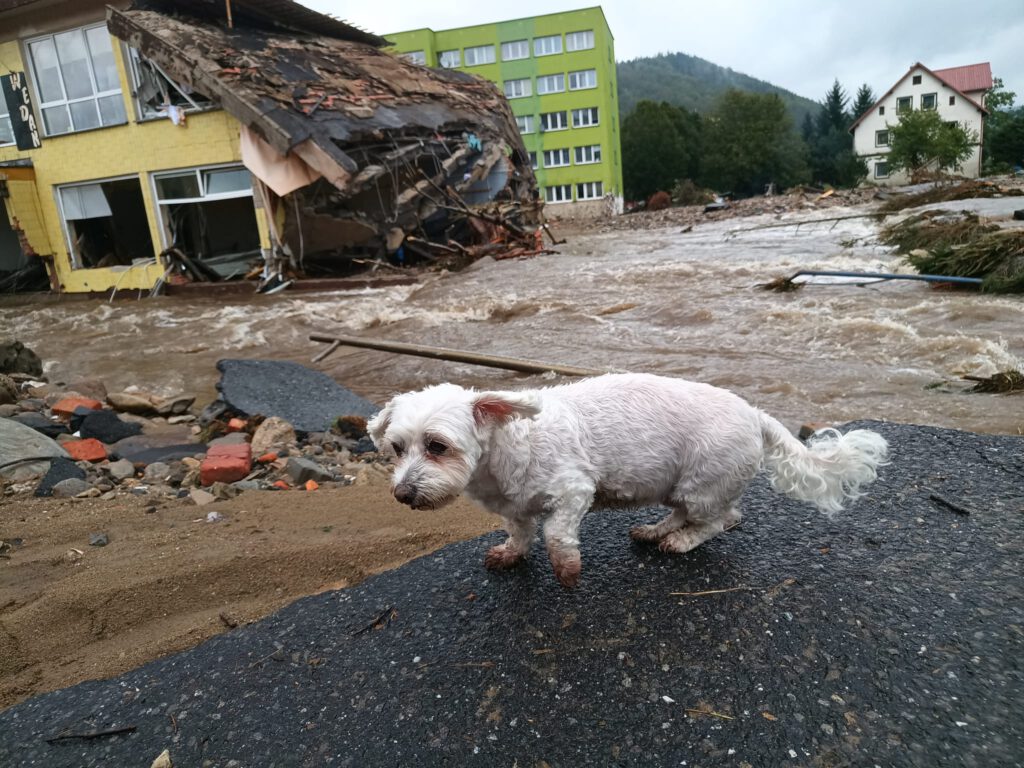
point(405, 493)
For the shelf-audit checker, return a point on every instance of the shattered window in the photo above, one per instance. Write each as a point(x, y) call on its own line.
point(105, 223)
point(158, 95)
point(586, 78)
point(551, 84)
point(450, 59)
point(584, 118)
point(589, 190)
point(589, 154)
point(560, 193)
point(547, 46)
point(554, 121)
point(518, 49)
point(416, 57)
point(556, 158)
point(525, 123)
point(6, 132)
point(76, 79)
point(579, 41)
point(481, 54)
point(517, 89)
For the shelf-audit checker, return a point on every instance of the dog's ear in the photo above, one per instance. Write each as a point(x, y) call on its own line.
point(378, 425)
point(499, 407)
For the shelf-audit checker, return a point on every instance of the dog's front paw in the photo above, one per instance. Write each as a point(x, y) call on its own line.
point(502, 557)
point(567, 567)
point(646, 534)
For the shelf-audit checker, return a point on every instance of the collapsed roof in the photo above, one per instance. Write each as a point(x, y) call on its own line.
point(391, 148)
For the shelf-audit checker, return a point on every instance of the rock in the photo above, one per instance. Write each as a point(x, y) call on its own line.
point(121, 469)
point(301, 470)
point(41, 424)
point(90, 493)
point(7, 410)
point(98, 539)
point(175, 405)
point(86, 450)
point(15, 357)
point(66, 406)
point(226, 464)
point(236, 425)
point(67, 489)
point(352, 427)
point(214, 517)
point(201, 497)
point(60, 470)
point(106, 427)
point(139, 403)
point(8, 390)
point(223, 491)
point(144, 449)
point(185, 418)
point(18, 441)
point(247, 485)
point(365, 445)
point(163, 760)
point(90, 388)
point(306, 398)
point(157, 472)
point(272, 432)
point(34, 404)
point(232, 438)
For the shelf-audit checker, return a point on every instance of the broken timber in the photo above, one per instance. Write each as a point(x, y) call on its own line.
point(454, 355)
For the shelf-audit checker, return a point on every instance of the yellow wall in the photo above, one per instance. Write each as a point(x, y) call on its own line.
point(136, 148)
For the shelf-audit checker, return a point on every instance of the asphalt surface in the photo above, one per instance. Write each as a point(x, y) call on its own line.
point(889, 636)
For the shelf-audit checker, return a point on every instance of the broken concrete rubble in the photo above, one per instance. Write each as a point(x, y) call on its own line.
point(357, 152)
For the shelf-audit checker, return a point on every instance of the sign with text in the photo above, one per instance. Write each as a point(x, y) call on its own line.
point(19, 103)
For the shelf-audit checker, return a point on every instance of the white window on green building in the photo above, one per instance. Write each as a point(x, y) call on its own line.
point(416, 57)
point(551, 84)
point(553, 121)
point(450, 59)
point(481, 54)
point(517, 49)
point(588, 155)
point(560, 193)
point(76, 80)
point(547, 46)
point(556, 158)
point(518, 89)
point(533, 160)
point(589, 190)
point(525, 123)
point(584, 118)
point(579, 41)
point(583, 79)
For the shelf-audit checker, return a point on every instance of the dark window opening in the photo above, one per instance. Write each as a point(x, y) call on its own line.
point(158, 95)
point(11, 256)
point(917, 79)
point(106, 223)
point(881, 110)
point(222, 233)
point(952, 101)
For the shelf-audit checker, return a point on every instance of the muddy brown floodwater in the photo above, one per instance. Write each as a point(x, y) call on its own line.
point(664, 301)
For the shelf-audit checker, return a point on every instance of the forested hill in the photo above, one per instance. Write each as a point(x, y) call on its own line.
point(694, 83)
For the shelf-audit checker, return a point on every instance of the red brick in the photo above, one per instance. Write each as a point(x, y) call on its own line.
point(89, 449)
point(225, 464)
point(282, 485)
point(64, 408)
point(236, 425)
point(267, 458)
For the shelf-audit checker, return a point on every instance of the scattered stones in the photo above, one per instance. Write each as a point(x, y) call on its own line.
point(68, 489)
point(121, 469)
point(15, 357)
point(157, 472)
point(66, 406)
point(7, 410)
point(301, 470)
point(185, 418)
point(98, 539)
point(106, 427)
point(60, 470)
point(174, 406)
point(132, 402)
point(90, 449)
point(365, 445)
point(163, 760)
point(201, 497)
point(226, 463)
point(273, 432)
point(8, 390)
point(40, 423)
point(223, 491)
point(165, 453)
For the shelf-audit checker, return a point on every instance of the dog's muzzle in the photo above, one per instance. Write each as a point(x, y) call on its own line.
point(405, 493)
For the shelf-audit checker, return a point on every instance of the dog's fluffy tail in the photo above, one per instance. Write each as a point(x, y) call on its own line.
point(827, 471)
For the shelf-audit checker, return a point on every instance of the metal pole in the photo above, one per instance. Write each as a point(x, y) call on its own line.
point(454, 355)
point(889, 276)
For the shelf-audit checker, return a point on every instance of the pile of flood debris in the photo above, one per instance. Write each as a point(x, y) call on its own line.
point(357, 154)
point(77, 440)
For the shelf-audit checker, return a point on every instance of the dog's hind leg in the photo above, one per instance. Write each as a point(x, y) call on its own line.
point(709, 511)
point(562, 529)
point(520, 536)
point(673, 521)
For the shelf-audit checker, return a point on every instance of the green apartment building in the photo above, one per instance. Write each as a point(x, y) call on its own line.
point(558, 73)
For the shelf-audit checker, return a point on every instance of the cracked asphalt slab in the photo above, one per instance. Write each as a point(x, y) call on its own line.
point(890, 635)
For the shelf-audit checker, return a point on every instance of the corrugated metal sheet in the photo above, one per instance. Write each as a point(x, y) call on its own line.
point(973, 77)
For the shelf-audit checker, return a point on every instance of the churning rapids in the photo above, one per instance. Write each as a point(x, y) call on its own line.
point(681, 304)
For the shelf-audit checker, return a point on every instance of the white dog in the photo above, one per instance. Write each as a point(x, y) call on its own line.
point(616, 440)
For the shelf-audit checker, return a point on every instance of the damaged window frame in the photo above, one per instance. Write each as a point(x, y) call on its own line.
point(143, 111)
point(59, 190)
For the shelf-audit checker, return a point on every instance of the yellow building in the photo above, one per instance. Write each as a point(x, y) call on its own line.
point(128, 162)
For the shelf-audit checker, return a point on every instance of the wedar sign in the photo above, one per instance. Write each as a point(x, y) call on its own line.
point(19, 104)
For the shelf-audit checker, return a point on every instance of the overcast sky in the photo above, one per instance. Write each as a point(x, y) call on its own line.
point(801, 45)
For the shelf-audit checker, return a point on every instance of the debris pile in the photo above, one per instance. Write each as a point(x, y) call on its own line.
point(942, 193)
point(78, 440)
point(358, 154)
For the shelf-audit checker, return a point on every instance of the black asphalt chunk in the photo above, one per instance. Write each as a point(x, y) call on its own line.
point(308, 399)
point(107, 427)
point(60, 469)
point(891, 635)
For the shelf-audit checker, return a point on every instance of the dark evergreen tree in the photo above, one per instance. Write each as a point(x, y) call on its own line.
point(831, 146)
point(862, 102)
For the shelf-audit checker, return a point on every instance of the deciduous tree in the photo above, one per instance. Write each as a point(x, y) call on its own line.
point(660, 145)
point(921, 141)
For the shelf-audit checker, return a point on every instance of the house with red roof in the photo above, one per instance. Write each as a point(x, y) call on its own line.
point(957, 93)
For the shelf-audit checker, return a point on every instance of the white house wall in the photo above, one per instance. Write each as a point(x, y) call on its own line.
point(962, 111)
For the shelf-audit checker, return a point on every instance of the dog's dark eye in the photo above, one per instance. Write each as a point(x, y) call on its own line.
point(436, 447)
point(398, 448)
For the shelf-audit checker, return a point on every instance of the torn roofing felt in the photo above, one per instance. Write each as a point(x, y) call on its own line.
point(397, 144)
